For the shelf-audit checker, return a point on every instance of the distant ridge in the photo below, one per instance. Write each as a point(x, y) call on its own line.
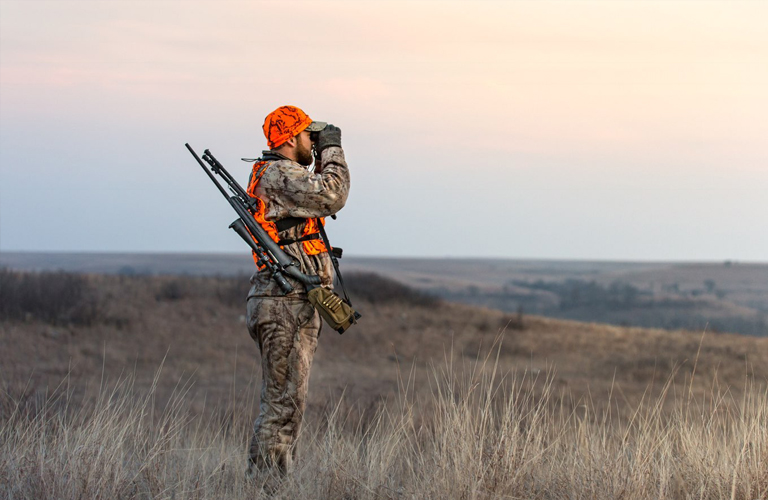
point(724, 296)
point(130, 263)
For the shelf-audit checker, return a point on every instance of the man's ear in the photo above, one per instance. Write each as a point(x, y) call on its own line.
point(292, 142)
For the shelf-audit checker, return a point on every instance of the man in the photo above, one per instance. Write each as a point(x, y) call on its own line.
point(286, 327)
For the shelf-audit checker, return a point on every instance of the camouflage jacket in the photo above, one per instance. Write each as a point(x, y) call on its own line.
point(290, 190)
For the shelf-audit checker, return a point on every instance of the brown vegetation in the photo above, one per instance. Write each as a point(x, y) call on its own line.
point(552, 409)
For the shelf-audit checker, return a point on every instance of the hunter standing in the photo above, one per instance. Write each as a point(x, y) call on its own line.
point(292, 201)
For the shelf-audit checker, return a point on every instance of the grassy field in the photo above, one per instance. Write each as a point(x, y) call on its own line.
point(146, 387)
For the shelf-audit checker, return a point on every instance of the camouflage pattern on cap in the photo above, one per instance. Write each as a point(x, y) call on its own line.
point(283, 123)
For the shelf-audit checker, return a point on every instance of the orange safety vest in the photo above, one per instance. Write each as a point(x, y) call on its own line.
point(310, 247)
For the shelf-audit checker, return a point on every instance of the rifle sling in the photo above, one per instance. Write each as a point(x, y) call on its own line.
point(334, 260)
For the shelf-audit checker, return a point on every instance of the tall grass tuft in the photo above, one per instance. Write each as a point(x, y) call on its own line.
point(478, 434)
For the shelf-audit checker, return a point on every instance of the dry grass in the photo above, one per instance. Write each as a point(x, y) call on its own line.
point(559, 409)
point(477, 435)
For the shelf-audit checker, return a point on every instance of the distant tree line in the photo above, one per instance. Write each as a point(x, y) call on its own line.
point(618, 303)
point(579, 293)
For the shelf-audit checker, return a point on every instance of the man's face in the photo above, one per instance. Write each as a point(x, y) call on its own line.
point(304, 149)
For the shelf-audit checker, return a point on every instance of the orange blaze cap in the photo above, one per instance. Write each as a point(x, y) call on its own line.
point(284, 123)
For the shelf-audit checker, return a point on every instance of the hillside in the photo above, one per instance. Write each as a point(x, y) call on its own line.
point(195, 328)
point(719, 296)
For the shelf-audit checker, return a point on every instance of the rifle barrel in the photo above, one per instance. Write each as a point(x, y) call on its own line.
point(208, 173)
point(219, 169)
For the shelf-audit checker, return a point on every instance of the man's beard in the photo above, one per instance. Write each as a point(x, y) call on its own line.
point(303, 155)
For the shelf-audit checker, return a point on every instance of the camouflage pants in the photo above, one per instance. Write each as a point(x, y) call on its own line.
point(286, 330)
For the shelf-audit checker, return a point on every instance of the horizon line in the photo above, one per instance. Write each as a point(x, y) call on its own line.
point(400, 257)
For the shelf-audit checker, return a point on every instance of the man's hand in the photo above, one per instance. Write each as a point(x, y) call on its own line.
point(329, 136)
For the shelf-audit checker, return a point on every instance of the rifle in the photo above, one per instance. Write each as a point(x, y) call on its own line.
point(337, 312)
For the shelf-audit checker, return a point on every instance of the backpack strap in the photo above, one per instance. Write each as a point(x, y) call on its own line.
point(308, 237)
point(288, 222)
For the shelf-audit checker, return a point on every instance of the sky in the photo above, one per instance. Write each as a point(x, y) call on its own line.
point(600, 130)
